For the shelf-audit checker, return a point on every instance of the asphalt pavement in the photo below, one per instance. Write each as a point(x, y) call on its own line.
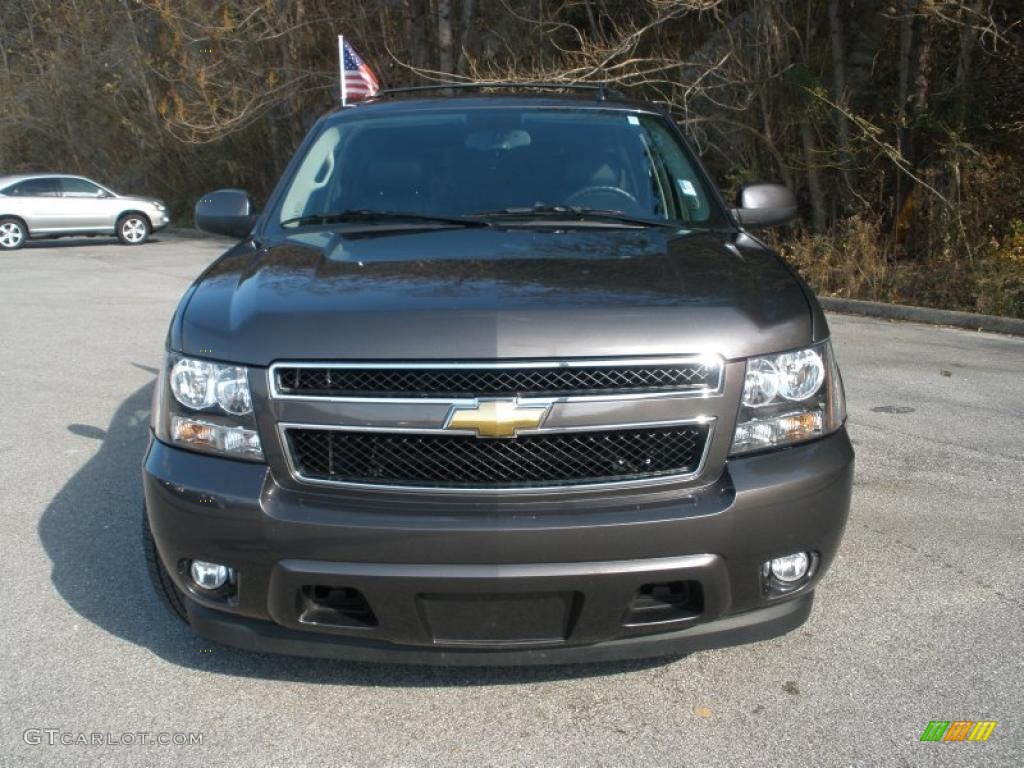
point(920, 619)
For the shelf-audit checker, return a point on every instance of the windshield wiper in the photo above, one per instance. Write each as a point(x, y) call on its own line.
point(371, 216)
point(576, 213)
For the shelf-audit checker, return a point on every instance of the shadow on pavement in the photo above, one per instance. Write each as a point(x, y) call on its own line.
point(79, 242)
point(91, 532)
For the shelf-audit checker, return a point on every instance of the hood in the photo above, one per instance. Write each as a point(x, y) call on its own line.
point(495, 293)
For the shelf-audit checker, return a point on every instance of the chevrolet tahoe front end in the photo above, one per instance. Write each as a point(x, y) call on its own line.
point(506, 438)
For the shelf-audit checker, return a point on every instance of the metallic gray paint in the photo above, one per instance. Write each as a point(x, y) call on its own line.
point(765, 205)
point(241, 514)
point(263, 636)
point(495, 294)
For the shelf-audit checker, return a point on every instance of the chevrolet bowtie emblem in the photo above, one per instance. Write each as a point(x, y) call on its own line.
point(496, 418)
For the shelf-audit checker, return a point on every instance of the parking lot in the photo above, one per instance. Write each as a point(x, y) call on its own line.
point(920, 619)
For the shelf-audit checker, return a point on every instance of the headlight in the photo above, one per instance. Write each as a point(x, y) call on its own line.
point(231, 390)
point(192, 383)
point(211, 408)
point(789, 398)
point(800, 374)
point(198, 384)
point(159, 206)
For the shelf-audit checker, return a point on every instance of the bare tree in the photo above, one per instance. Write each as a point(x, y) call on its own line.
point(884, 115)
point(837, 38)
point(445, 40)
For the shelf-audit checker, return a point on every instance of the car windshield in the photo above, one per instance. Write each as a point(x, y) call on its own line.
point(603, 166)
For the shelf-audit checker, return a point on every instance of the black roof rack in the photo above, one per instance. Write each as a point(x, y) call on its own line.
point(601, 91)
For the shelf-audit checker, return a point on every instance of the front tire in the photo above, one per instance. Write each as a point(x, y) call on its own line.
point(13, 234)
point(172, 597)
point(133, 229)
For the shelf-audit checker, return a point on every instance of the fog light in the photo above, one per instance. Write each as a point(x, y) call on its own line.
point(209, 575)
point(791, 567)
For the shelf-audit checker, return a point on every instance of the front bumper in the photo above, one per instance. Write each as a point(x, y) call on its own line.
point(492, 585)
point(265, 636)
point(159, 220)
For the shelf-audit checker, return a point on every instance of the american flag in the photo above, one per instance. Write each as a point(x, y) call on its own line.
point(357, 80)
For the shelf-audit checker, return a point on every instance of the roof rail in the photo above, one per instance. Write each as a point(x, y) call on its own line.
point(601, 91)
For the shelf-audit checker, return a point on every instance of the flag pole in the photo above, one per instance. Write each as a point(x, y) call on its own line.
point(341, 69)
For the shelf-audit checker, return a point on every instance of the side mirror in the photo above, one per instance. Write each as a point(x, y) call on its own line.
point(226, 212)
point(765, 205)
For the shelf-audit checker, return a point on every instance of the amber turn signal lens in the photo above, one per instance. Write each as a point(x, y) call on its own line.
point(216, 437)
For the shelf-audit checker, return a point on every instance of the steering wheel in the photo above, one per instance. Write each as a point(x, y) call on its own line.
point(601, 190)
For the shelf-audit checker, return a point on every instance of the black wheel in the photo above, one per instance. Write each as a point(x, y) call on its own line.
point(133, 229)
point(170, 595)
point(13, 234)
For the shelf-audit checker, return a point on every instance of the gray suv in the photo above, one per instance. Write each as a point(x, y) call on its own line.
point(53, 205)
point(495, 379)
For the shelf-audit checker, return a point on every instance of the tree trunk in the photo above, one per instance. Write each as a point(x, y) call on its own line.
point(141, 68)
point(819, 218)
point(445, 42)
point(907, 8)
point(289, 47)
point(968, 39)
point(416, 19)
point(915, 79)
point(835, 23)
point(920, 60)
point(595, 32)
point(465, 37)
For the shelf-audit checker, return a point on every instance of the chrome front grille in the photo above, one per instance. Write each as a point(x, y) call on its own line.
point(497, 426)
point(470, 380)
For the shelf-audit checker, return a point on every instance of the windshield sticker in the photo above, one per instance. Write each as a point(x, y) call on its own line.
point(633, 119)
point(687, 188)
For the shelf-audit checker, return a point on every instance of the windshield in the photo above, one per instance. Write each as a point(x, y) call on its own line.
point(499, 161)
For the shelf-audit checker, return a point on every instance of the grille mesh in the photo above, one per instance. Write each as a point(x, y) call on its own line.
point(483, 382)
point(459, 461)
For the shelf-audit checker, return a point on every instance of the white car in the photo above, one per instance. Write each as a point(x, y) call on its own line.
point(56, 205)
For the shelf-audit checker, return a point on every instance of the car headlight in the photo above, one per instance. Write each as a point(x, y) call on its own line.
point(206, 406)
point(788, 398)
point(159, 206)
point(199, 384)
